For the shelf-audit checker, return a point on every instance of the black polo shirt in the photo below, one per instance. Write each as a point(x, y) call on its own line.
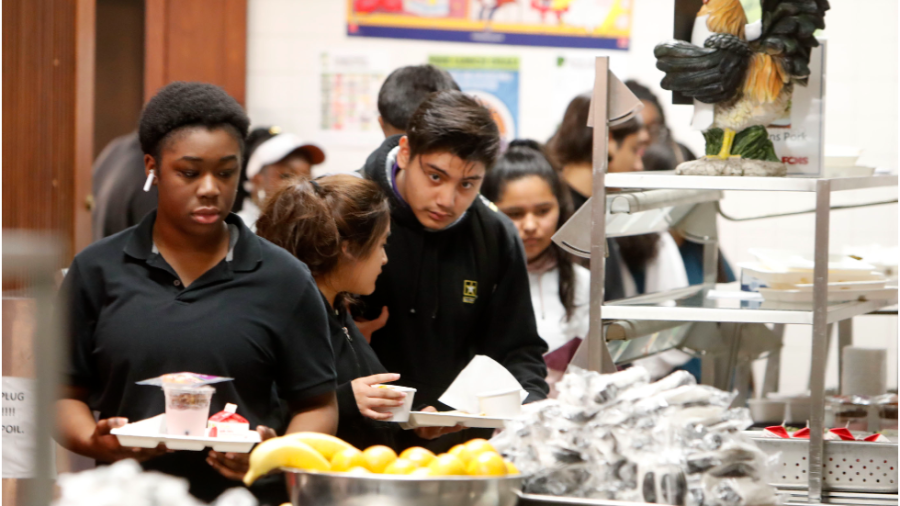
point(256, 317)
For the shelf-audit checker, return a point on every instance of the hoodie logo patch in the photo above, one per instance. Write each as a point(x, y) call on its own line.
point(470, 291)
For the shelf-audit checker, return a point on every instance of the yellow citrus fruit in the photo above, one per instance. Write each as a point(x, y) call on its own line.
point(418, 455)
point(346, 460)
point(377, 458)
point(423, 472)
point(457, 450)
point(359, 470)
point(475, 448)
point(400, 466)
point(486, 464)
point(447, 465)
point(511, 468)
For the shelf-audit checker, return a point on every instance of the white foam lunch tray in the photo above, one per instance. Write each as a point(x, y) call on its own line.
point(784, 278)
point(151, 432)
point(802, 295)
point(449, 419)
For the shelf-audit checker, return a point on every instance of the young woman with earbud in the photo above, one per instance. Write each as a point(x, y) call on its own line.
point(191, 288)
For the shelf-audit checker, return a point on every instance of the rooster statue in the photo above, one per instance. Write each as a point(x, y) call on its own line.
point(741, 77)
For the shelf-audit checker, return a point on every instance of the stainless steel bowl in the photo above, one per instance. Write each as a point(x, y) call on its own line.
point(334, 489)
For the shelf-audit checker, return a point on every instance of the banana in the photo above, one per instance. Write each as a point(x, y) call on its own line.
point(283, 452)
point(327, 445)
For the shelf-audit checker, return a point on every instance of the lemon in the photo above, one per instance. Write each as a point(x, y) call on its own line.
point(400, 466)
point(418, 455)
point(422, 472)
point(511, 468)
point(377, 458)
point(475, 448)
point(347, 459)
point(486, 464)
point(447, 465)
point(457, 450)
point(359, 470)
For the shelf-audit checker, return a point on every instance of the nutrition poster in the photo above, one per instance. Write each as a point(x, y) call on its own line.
point(594, 24)
point(349, 96)
point(18, 427)
point(494, 80)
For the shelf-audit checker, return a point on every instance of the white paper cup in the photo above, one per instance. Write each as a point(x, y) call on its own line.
point(401, 413)
point(187, 409)
point(767, 410)
point(501, 403)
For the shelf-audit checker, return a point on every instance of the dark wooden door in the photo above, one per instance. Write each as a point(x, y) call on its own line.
point(48, 79)
point(196, 40)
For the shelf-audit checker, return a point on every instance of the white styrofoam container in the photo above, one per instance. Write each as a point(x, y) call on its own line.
point(151, 432)
point(501, 403)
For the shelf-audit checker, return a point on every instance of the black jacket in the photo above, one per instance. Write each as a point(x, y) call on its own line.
point(118, 180)
point(354, 358)
point(452, 294)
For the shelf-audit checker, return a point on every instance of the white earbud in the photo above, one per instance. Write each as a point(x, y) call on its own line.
point(150, 177)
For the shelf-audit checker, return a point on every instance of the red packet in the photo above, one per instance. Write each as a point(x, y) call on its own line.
point(843, 434)
point(227, 422)
point(802, 433)
point(776, 431)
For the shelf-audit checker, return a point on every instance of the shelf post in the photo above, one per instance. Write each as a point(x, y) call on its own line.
point(845, 338)
point(773, 365)
point(819, 340)
point(710, 262)
point(599, 358)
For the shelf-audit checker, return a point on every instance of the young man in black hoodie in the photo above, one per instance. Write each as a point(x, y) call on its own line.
point(456, 285)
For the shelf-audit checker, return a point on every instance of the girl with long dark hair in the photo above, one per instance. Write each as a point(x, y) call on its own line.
point(525, 187)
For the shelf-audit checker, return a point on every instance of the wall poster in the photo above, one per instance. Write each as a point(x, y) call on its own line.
point(492, 80)
point(349, 84)
point(595, 24)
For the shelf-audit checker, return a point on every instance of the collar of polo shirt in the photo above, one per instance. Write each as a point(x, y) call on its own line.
point(243, 245)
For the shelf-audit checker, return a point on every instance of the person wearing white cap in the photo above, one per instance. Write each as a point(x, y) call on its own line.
point(273, 158)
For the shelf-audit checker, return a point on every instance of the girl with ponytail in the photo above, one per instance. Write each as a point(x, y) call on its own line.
point(338, 226)
point(525, 187)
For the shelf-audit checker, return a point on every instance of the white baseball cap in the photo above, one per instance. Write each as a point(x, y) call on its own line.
point(277, 148)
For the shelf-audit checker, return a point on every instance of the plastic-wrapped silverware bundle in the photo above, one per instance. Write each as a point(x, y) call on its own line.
point(618, 436)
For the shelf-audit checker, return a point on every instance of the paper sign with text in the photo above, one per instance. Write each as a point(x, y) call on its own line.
point(18, 427)
point(799, 136)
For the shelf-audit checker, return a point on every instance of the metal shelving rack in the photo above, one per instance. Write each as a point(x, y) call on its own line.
point(691, 304)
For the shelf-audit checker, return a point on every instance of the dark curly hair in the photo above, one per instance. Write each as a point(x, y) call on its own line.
point(182, 104)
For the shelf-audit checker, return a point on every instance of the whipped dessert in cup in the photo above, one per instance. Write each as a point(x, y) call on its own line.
point(187, 409)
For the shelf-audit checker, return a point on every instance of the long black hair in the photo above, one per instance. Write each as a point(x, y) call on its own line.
point(526, 158)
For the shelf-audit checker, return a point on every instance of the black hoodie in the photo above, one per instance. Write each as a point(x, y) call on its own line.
point(452, 294)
